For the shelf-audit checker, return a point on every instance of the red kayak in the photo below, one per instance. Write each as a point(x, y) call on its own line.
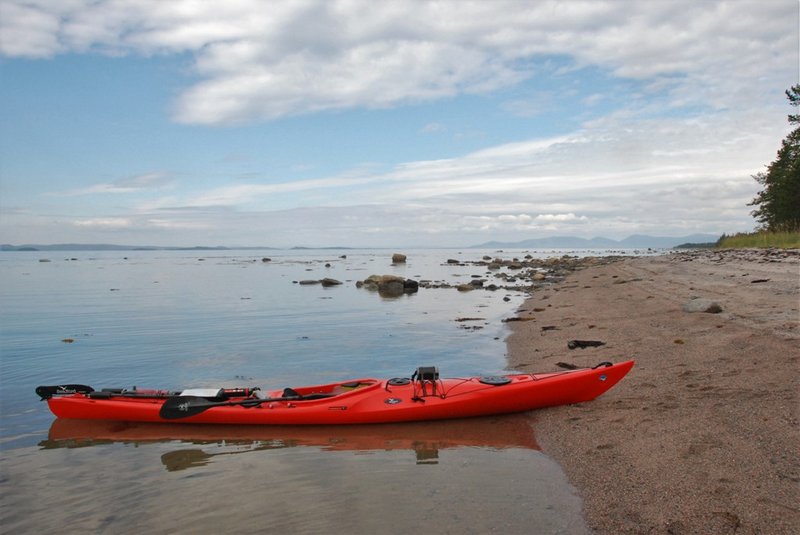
point(424, 396)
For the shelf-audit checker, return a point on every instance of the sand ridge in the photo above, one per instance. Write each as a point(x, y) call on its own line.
point(702, 436)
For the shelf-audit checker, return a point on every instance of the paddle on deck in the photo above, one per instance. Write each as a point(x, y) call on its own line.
point(187, 406)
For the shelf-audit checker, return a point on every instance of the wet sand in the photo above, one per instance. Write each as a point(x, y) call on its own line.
point(702, 436)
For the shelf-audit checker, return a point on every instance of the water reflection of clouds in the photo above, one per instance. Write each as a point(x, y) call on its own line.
point(463, 476)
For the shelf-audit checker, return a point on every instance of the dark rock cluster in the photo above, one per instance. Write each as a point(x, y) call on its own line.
point(515, 274)
point(388, 285)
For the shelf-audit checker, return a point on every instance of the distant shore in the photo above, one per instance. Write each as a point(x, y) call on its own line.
point(702, 436)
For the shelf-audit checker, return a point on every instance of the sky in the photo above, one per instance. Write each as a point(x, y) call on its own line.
point(402, 123)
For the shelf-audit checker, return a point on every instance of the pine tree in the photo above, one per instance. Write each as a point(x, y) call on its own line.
point(778, 204)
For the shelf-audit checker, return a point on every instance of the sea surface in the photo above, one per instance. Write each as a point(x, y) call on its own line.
point(178, 319)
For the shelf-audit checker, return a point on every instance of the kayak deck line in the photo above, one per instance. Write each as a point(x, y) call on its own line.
point(423, 396)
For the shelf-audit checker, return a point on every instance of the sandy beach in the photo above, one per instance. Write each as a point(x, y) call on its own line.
point(702, 436)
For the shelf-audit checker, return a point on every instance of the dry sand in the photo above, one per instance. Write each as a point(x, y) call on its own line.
point(702, 436)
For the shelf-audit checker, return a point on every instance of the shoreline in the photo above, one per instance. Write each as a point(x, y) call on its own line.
point(702, 435)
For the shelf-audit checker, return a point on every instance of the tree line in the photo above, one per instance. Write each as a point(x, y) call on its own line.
point(778, 204)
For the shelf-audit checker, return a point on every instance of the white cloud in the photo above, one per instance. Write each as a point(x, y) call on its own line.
point(537, 104)
point(639, 169)
point(105, 223)
point(173, 224)
point(593, 99)
point(667, 176)
point(372, 74)
point(142, 222)
point(135, 183)
point(143, 181)
point(561, 217)
point(259, 60)
point(432, 128)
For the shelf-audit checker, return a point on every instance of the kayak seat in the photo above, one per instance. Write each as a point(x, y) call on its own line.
point(292, 394)
point(342, 388)
point(349, 387)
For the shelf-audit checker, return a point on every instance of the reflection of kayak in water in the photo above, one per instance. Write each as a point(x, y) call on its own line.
point(490, 432)
point(425, 396)
point(425, 439)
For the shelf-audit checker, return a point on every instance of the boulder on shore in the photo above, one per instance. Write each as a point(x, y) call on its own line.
point(388, 285)
point(699, 304)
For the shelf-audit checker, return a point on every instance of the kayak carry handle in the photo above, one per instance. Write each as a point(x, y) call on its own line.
point(46, 392)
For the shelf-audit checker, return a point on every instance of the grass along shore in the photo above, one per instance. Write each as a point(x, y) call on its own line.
point(782, 240)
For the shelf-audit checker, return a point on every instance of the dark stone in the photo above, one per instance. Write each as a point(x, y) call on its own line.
point(581, 344)
point(391, 289)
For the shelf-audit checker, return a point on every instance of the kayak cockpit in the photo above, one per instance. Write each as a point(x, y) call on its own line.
point(309, 393)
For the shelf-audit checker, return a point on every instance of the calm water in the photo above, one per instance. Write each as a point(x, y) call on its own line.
point(182, 319)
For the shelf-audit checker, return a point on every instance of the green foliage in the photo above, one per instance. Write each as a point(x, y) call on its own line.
point(690, 245)
point(782, 240)
point(778, 204)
